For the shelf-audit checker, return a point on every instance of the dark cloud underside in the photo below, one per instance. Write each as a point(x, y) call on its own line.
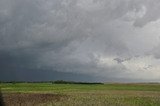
point(94, 40)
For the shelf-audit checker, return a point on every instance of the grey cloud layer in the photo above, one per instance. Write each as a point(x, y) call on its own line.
point(94, 37)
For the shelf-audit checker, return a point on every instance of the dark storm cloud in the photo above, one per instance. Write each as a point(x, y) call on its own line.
point(91, 37)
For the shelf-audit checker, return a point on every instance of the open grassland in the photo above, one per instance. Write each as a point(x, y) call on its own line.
point(48, 94)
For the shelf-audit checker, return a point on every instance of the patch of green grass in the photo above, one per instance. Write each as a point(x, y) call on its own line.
point(93, 95)
point(26, 87)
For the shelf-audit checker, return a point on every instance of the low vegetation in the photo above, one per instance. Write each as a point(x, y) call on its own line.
point(62, 93)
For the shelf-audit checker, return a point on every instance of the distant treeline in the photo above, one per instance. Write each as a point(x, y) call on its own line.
point(53, 82)
point(73, 82)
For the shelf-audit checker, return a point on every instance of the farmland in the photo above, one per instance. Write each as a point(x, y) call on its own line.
point(50, 94)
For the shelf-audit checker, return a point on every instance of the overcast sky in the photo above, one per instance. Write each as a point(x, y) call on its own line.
point(86, 40)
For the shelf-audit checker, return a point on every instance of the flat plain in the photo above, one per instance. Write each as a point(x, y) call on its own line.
point(109, 94)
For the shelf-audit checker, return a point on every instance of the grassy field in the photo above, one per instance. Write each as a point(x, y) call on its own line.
point(48, 94)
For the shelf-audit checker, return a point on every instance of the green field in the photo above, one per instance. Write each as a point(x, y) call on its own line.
point(82, 94)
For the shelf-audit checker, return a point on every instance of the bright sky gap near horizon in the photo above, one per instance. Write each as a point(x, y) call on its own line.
point(84, 40)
